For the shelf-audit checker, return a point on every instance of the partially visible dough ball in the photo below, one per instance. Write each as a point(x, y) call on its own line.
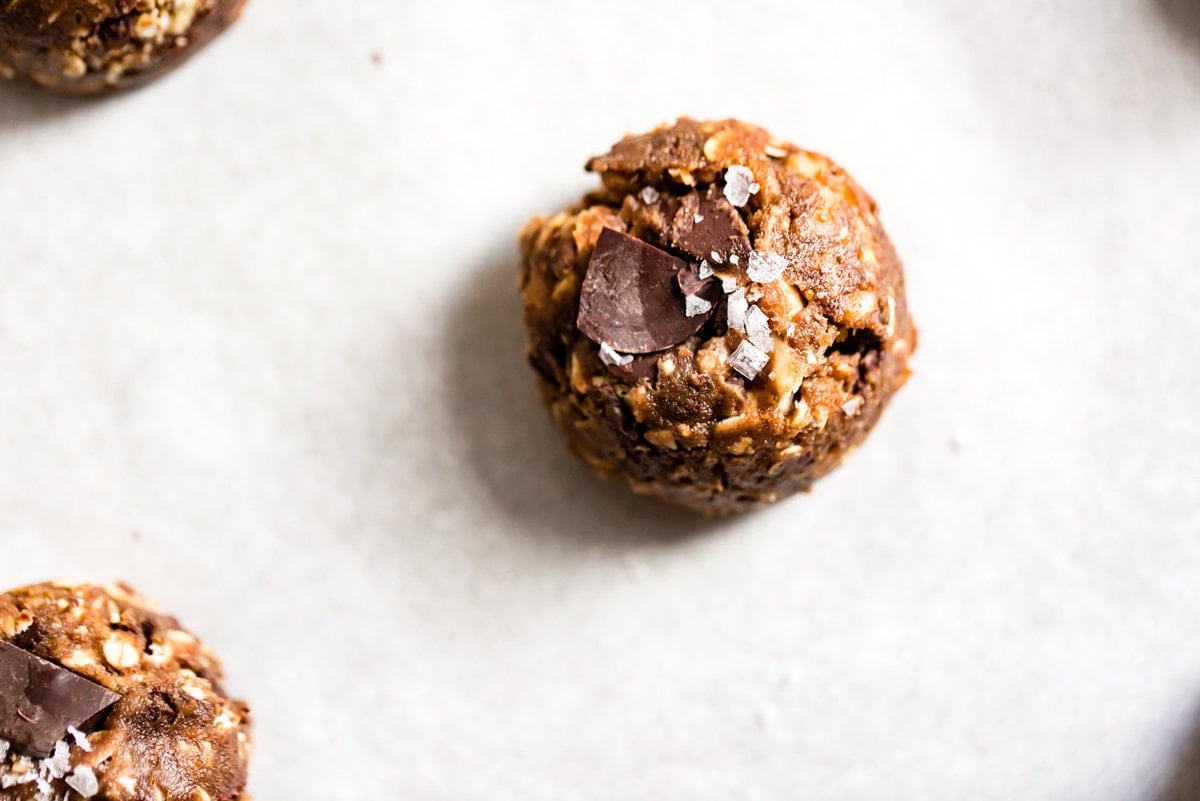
point(88, 47)
point(149, 719)
point(722, 322)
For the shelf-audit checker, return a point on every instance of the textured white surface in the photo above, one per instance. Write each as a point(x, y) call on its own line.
point(260, 356)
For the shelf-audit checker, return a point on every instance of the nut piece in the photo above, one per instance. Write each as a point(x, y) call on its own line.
point(120, 652)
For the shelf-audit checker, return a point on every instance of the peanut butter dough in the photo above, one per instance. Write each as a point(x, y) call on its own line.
point(87, 47)
point(168, 731)
point(722, 322)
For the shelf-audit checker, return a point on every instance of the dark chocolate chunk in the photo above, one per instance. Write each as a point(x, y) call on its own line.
point(40, 700)
point(630, 299)
point(703, 225)
point(614, 412)
point(642, 366)
point(690, 283)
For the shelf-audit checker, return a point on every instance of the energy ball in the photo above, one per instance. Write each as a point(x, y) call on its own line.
point(87, 47)
point(722, 322)
point(102, 697)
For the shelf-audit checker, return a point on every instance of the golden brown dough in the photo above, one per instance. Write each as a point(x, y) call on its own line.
point(174, 735)
point(88, 47)
point(807, 338)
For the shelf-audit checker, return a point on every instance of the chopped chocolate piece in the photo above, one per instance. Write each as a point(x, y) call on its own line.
point(692, 281)
point(638, 367)
point(615, 414)
point(708, 224)
point(40, 701)
point(630, 299)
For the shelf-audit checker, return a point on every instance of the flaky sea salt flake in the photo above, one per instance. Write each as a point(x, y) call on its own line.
point(84, 782)
point(765, 267)
point(610, 356)
point(735, 310)
point(717, 257)
point(57, 764)
point(650, 195)
point(758, 328)
point(694, 306)
point(80, 739)
point(3, 750)
point(739, 185)
point(748, 360)
point(705, 271)
point(699, 218)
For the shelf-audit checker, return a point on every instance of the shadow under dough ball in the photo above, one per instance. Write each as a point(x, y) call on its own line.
point(102, 697)
point(88, 47)
point(722, 322)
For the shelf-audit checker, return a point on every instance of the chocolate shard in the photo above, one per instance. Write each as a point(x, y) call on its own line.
point(618, 418)
point(630, 299)
point(40, 700)
point(691, 283)
point(707, 224)
point(643, 366)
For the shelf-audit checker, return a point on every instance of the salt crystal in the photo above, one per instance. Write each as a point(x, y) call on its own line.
point(739, 185)
point(83, 781)
point(733, 258)
point(735, 312)
point(706, 270)
point(758, 328)
point(21, 771)
point(699, 218)
point(852, 406)
point(694, 306)
point(748, 360)
point(650, 195)
point(717, 257)
point(765, 267)
point(730, 285)
point(610, 356)
point(3, 749)
point(57, 764)
point(80, 739)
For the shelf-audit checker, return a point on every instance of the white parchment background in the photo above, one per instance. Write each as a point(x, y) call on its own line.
point(260, 356)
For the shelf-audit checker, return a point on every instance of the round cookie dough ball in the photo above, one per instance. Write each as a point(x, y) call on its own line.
point(87, 47)
point(102, 697)
point(722, 322)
